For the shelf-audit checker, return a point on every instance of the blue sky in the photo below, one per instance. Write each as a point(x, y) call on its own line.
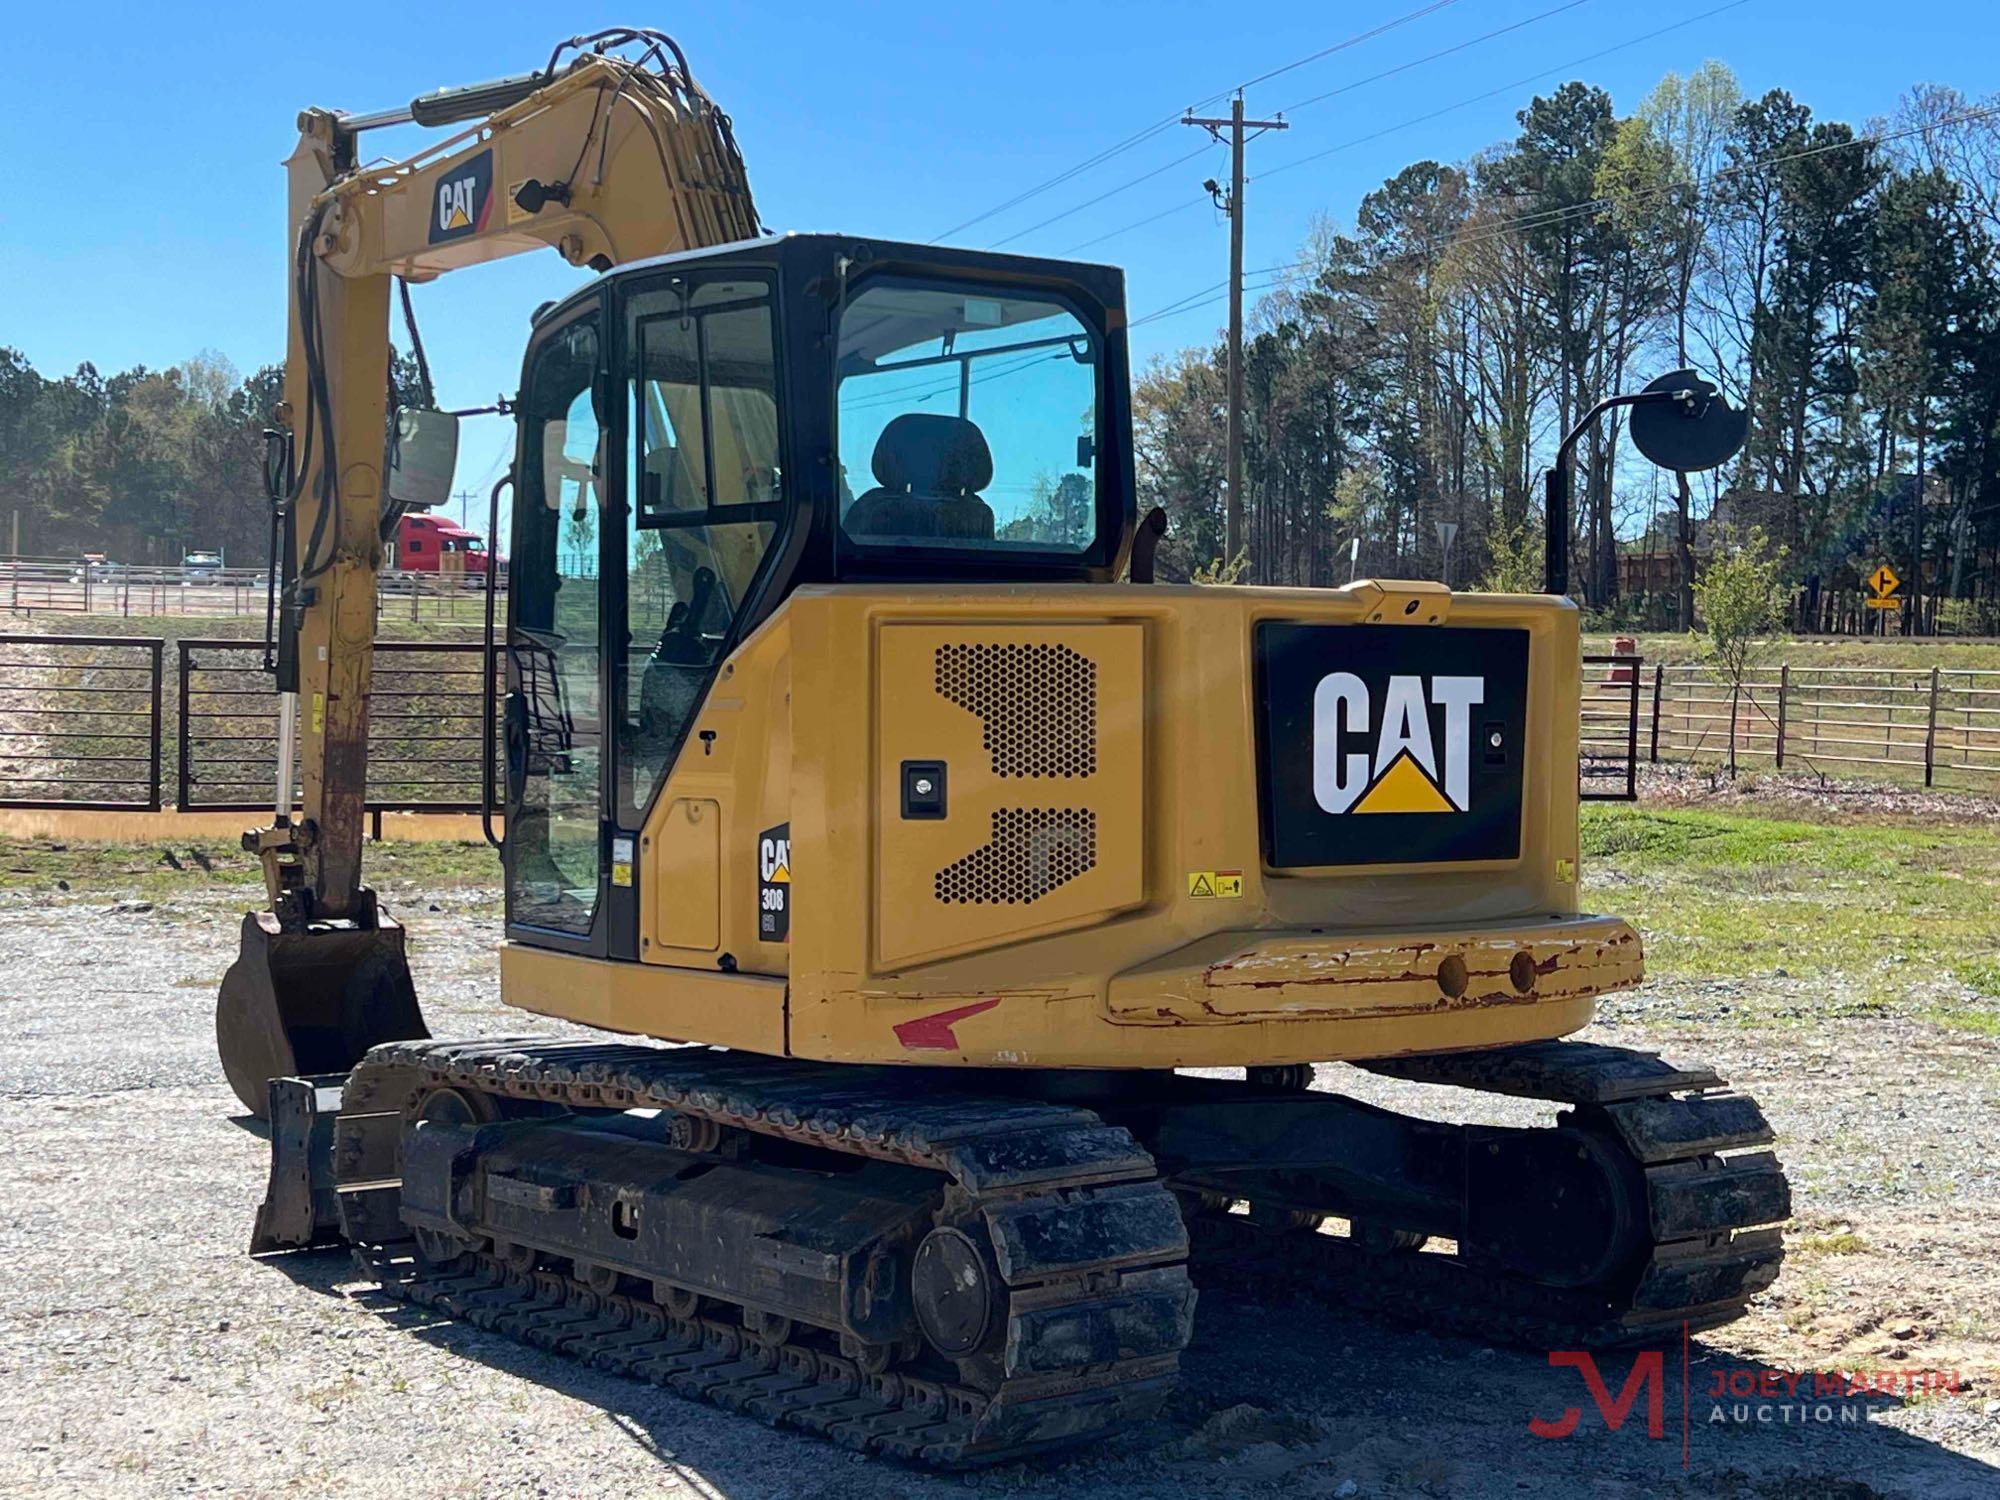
point(142, 203)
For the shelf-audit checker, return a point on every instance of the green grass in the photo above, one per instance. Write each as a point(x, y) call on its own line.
point(1878, 916)
point(1841, 1242)
point(77, 869)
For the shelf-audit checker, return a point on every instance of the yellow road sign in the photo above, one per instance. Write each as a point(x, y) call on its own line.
point(1884, 581)
point(1883, 603)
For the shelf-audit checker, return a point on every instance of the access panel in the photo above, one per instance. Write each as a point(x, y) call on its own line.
point(1009, 783)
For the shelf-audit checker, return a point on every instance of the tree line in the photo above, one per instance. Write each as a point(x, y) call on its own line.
point(143, 465)
point(1421, 365)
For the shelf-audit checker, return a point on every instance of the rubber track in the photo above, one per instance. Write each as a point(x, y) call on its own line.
point(1088, 1243)
point(1712, 1219)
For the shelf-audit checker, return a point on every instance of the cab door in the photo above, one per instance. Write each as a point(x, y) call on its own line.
point(699, 514)
point(557, 771)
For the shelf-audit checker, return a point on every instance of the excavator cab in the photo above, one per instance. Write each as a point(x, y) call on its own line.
point(702, 434)
point(698, 436)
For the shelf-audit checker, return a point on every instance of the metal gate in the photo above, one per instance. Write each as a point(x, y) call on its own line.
point(80, 722)
point(424, 713)
point(1607, 767)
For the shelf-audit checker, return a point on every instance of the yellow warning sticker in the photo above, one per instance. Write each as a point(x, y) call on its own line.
point(1566, 872)
point(319, 713)
point(1215, 885)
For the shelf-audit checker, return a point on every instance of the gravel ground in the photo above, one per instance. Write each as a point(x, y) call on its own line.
point(142, 1353)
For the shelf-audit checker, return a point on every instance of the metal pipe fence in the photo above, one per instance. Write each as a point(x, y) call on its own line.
point(31, 586)
point(1608, 730)
point(87, 722)
point(80, 722)
point(425, 709)
point(1938, 723)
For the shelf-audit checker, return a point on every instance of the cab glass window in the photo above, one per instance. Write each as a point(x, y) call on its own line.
point(553, 729)
point(705, 493)
point(968, 420)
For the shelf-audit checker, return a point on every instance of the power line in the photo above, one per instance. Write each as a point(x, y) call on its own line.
point(1431, 57)
point(1135, 139)
point(1353, 41)
point(1146, 133)
point(1563, 67)
point(1179, 208)
point(1207, 297)
point(1178, 161)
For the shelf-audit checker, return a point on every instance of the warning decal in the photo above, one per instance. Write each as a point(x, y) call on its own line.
point(1215, 885)
point(774, 884)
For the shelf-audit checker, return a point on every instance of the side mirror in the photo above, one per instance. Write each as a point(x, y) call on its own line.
point(423, 454)
point(1679, 421)
point(1694, 429)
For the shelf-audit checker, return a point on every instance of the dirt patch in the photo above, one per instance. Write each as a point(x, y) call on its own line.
point(1809, 797)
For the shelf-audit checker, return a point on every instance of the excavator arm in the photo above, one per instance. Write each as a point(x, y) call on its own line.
point(610, 153)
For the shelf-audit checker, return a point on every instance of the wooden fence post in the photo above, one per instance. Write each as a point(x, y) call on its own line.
point(1784, 686)
point(1659, 672)
point(1930, 733)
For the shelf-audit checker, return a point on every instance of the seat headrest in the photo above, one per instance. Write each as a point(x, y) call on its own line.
point(932, 455)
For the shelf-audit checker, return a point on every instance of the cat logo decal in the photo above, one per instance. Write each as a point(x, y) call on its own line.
point(1385, 758)
point(464, 200)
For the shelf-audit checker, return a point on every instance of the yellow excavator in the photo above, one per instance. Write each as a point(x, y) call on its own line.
point(1003, 898)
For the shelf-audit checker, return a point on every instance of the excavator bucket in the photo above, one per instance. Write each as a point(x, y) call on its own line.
point(310, 1003)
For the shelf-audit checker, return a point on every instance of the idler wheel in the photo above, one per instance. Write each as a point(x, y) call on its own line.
point(953, 1291)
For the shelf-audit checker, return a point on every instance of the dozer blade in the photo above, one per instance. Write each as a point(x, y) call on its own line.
point(311, 1002)
point(300, 1210)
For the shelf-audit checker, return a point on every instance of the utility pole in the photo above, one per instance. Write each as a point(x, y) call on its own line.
point(464, 499)
point(1232, 205)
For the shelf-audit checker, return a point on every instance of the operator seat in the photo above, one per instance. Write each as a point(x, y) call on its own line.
point(928, 470)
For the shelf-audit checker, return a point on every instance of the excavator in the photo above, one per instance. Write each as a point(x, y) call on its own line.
point(965, 918)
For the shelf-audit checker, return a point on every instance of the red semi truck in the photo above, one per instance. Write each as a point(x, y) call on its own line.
point(432, 544)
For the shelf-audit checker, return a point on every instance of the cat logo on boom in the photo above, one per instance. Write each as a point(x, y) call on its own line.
point(463, 200)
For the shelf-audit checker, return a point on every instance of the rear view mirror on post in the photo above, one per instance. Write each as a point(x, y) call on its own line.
point(423, 453)
point(1693, 429)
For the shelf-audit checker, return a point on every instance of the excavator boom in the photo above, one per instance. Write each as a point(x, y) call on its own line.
point(611, 153)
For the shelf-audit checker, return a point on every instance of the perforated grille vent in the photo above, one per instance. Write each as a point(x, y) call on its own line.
point(1033, 850)
point(1038, 703)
